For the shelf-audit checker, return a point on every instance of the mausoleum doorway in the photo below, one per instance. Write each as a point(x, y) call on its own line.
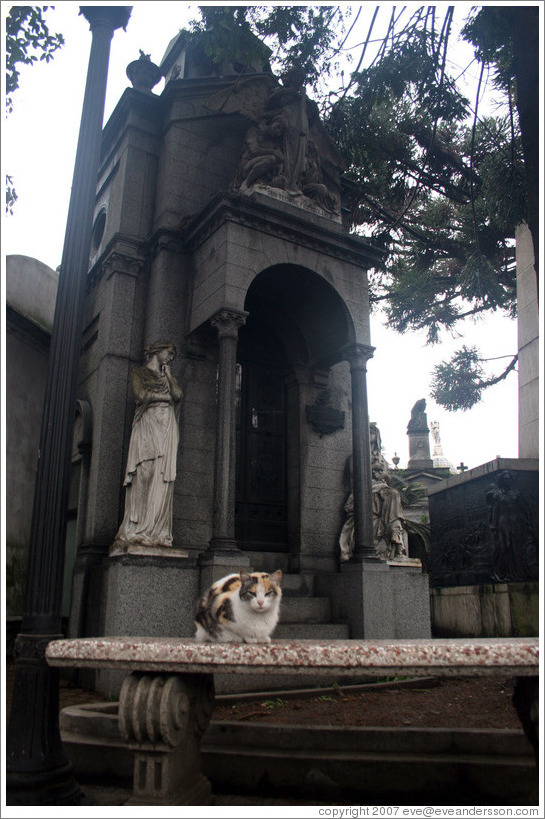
point(260, 506)
point(296, 327)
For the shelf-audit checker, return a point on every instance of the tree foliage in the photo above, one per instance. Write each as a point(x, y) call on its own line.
point(28, 39)
point(458, 384)
point(433, 182)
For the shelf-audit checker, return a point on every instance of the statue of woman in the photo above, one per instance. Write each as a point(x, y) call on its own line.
point(151, 461)
point(389, 533)
point(390, 536)
point(290, 101)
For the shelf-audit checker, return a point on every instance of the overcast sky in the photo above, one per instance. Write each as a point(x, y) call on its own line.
point(38, 149)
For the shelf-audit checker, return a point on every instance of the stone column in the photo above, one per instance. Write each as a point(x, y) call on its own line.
point(227, 323)
point(38, 770)
point(357, 355)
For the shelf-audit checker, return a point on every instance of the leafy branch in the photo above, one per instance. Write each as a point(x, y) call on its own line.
point(27, 40)
point(458, 384)
point(27, 36)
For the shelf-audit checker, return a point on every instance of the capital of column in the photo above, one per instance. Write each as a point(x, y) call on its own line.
point(110, 16)
point(228, 322)
point(357, 354)
point(117, 262)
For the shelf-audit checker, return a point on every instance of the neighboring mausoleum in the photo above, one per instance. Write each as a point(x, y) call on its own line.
point(31, 290)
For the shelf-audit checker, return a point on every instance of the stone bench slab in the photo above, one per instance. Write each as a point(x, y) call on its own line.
point(167, 698)
point(440, 657)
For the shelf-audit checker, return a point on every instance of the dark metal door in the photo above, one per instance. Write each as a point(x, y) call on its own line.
point(261, 508)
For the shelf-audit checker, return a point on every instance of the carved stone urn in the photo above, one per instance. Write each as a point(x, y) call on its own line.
point(143, 74)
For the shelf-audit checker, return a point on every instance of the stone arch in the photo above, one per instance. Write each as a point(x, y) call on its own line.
point(313, 321)
point(296, 328)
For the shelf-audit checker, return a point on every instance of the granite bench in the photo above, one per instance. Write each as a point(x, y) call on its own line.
point(166, 700)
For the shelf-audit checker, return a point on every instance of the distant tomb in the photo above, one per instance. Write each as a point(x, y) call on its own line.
point(484, 525)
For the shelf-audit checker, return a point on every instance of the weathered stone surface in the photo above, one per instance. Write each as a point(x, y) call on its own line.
point(528, 345)
point(181, 246)
point(378, 657)
point(31, 289)
point(482, 533)
point(490, 610)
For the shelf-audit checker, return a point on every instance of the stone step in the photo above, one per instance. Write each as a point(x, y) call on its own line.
point(333, 761)
point(268, 561)
point(297, 585)
point(340, 761)
point(312, 631)
point(305, 610)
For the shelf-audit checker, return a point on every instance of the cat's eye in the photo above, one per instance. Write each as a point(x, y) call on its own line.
point(269, 592)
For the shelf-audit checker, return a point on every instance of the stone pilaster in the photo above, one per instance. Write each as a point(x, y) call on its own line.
point(227, 323)
point(357, 356)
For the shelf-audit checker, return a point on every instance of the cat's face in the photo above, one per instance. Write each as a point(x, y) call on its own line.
point(260, 591)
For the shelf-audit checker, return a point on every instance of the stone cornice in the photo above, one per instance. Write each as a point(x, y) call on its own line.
point(27, 329)
point(122, 255)
point(268, 215)
point(131, 100)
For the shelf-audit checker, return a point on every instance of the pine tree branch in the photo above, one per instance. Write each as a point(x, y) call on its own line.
point(483, 383)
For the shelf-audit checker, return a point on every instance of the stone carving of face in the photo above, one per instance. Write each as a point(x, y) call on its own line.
point(165, 356)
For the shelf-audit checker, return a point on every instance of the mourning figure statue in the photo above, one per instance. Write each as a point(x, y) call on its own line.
point(419, 420)
point(389, 533)
point(286, 145)
point(390, 536)
point(262, 157)
point(151, 460)
point(514, 554)
point(289, 100)
point(312, 181)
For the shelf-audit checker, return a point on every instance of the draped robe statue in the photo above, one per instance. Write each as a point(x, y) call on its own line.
point(389, 533)
point(151, 460)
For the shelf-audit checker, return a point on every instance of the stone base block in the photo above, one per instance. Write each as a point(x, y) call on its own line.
point(379, 601)
point(137, 596)
point(217, 564)
point(487, 610)
point(198, 794)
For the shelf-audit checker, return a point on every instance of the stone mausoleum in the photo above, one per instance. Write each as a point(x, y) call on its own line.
point(219, 226)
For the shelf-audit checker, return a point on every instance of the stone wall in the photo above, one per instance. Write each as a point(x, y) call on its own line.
point(501, 610)
point(482, 532)
point(484, 552)
point(528, 346)
point(31, 289)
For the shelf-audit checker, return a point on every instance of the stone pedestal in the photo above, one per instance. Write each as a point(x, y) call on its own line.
point(214, 565)
point(141, 595)
point(379, 600)
point(163, 717)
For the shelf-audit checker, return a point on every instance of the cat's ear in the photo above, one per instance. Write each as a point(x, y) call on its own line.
point(276, 577)
point(245, 576)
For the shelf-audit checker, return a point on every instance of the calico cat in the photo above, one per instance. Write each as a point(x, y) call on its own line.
point(240, 608)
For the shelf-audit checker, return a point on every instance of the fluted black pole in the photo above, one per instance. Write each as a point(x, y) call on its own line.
point(38, 771)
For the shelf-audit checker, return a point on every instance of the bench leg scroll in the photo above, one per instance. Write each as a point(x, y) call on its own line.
point(162, 717)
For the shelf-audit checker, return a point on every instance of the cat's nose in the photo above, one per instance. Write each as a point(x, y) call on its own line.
point(260, 603)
